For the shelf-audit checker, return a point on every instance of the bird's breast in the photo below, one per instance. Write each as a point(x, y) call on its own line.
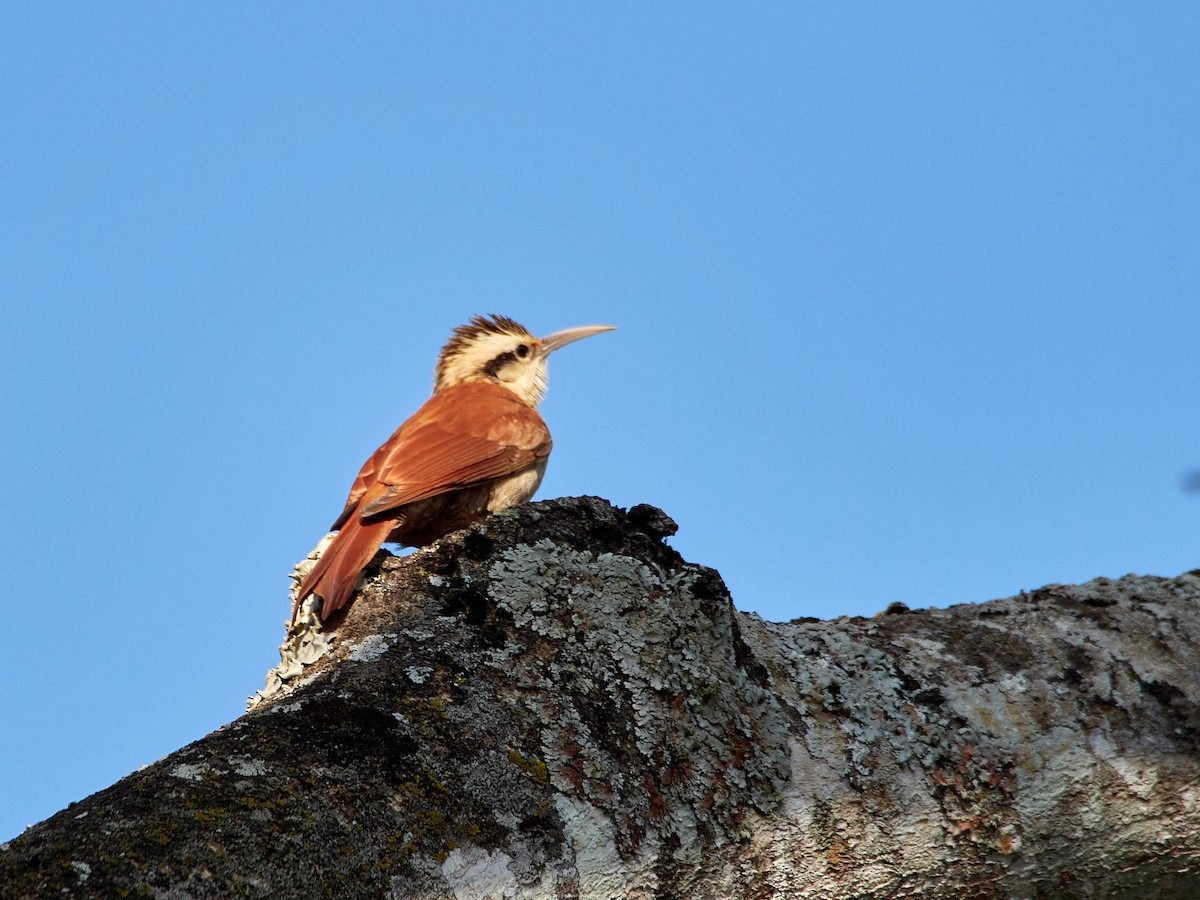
point(515, 489)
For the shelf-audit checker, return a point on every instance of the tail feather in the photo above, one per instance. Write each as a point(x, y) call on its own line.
point(334, 575)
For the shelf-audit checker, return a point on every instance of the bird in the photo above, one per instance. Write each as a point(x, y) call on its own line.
point(478, 445)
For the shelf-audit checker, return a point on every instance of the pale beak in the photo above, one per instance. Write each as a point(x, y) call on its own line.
point(552, 342)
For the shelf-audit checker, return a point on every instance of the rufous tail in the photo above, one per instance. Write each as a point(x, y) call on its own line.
point(334, 575)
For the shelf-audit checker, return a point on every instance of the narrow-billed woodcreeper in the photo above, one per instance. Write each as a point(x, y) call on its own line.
point(477, 446)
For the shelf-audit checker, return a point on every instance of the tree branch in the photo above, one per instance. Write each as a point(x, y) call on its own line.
point(555, 704)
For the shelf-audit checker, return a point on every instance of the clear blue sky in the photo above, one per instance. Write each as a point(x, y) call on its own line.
point(908, 296)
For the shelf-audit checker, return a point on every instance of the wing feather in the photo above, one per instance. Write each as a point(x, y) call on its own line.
point(463, 435)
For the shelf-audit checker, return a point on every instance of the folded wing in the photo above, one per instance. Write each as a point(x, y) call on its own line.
point(463, 436)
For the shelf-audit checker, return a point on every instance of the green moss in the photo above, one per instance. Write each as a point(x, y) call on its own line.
point(426, 712)
point(142, 890)
point(398, 844)
point(255, 803)
point(425, 802)
point(530, 764)
point(162, 831)
point(213, 817)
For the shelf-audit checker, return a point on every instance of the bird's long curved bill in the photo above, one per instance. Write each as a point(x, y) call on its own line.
point(552, 342)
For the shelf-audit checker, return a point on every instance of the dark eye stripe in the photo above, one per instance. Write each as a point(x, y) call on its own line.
point(494, 366)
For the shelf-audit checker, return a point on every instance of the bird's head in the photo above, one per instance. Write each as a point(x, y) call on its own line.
point(498, 350)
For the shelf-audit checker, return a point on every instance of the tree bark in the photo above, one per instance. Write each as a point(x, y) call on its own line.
point(553, 704)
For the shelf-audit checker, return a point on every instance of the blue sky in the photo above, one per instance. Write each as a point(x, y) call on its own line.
point(907, 297)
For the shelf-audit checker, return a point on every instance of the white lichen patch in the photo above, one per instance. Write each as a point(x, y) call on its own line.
point(305, 641)
point(370, 648)
point(82, 869)
point(593, 847)
point(476, 874)
point(418, 674)
point(286, 707)
point(1014, 683)
point(190, 772)
point(247, 767)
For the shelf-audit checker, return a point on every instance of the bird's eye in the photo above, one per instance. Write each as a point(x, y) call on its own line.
point(522, 351)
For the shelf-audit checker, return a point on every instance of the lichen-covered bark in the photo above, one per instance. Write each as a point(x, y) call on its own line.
point(554, 704)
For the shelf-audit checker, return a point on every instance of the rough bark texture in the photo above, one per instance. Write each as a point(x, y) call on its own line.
point(554, 704)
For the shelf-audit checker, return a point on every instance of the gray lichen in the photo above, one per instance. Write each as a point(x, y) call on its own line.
point(555, 704)
point(306, 639)
point(644, 642)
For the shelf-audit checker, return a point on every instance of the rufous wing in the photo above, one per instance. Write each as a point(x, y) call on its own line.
point(463, 436)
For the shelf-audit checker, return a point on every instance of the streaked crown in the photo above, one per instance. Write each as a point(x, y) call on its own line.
point(498, 350)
